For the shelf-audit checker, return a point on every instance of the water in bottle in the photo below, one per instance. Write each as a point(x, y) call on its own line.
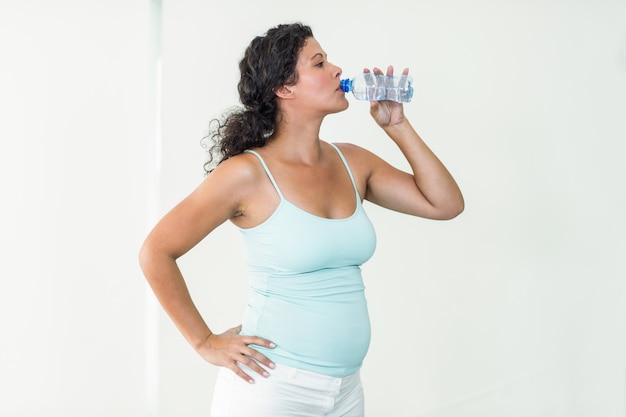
point(376, 87)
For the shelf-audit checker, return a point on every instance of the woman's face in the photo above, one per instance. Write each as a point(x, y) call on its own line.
point(318, 86)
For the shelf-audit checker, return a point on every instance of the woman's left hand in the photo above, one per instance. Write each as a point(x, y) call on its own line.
point(387, 113)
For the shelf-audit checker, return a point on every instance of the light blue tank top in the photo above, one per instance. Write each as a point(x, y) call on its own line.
point(306, 291)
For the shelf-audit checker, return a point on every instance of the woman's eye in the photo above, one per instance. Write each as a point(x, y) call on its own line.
point(321, 64)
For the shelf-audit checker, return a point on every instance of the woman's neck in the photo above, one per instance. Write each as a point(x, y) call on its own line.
point(297, 142)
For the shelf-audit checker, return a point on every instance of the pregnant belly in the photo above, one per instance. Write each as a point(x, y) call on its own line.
point(329, 334)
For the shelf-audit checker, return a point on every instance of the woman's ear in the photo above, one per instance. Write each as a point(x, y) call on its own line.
point(284, 92)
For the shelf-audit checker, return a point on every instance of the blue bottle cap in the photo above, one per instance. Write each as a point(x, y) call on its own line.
point(346, 85)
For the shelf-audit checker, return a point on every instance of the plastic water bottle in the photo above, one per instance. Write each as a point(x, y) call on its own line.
point(376, 87)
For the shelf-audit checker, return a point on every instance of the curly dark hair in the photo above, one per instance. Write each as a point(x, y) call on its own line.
point(269, 62)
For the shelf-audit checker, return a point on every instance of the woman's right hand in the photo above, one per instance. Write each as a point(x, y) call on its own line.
point(230, 348)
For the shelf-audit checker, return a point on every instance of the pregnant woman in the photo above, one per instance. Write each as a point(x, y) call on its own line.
point(297, 201)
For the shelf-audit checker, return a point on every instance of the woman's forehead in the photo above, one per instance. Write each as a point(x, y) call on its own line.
point(310, 49)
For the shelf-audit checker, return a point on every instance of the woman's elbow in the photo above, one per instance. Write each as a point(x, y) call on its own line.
point(456, 212)
point(451, 210)
point(144, 256)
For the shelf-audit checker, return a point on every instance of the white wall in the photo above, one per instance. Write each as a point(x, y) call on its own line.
point(516, 308)
point(76, 132)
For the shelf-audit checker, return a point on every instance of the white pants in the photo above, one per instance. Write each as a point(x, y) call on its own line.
point(288, 392)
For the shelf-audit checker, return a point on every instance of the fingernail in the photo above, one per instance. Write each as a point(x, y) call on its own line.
point(272, 345)
point(266, 374)
point(272, 365)
point(251, 381)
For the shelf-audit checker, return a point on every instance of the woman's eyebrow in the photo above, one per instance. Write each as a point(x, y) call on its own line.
point(323, 56)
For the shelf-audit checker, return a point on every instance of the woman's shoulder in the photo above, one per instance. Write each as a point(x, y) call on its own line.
point(355, 154)
point(239, 170)
point(360, 160)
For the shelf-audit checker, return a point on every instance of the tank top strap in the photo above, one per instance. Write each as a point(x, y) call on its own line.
point(267, 171)
point(345, 162)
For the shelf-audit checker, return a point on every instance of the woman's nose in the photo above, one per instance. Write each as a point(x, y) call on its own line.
point(338, 71)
